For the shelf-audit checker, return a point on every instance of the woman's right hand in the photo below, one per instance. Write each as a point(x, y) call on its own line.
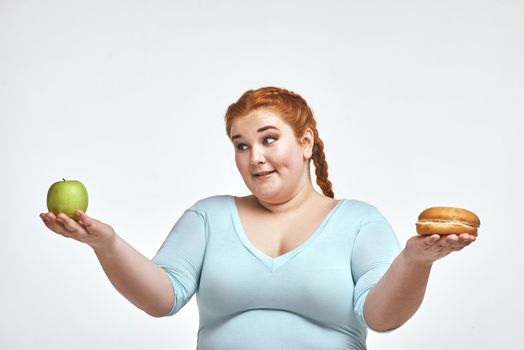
point(87, 230)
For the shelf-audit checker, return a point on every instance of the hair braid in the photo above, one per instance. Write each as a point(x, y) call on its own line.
point(321, 168)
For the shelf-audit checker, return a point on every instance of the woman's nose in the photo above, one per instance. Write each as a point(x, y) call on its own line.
point(257, 155)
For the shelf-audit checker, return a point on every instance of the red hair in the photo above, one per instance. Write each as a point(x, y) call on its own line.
point(293, 110)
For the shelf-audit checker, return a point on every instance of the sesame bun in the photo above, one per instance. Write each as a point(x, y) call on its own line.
point(446, 221)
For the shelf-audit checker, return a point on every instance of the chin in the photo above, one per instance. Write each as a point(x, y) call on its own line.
point(272, 197)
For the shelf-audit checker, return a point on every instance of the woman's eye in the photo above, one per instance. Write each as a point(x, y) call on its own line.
point(271, 138)
point(267, 140)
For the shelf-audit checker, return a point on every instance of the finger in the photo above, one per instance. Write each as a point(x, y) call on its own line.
point(440, 244)
point(429, 241)
point(452, 239)
point(448, 243)
point(47, 217)
point(458, 246)
point(467, 238)
point(50, 221)
point(87, 222)
point(54, 225)
point(44, 217)
point(463, 240)
point(69, 224)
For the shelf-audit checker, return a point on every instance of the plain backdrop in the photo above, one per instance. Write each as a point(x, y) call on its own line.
point(419, 103)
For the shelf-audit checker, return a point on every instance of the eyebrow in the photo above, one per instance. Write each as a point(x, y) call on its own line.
point(264, 128)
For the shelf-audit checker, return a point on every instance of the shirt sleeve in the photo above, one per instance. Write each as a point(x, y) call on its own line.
point(181, 256)
point(374, 249)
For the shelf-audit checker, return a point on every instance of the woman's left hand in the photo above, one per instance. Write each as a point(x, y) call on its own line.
point(427, 249)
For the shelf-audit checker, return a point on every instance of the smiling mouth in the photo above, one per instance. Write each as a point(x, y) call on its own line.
point(264, 173)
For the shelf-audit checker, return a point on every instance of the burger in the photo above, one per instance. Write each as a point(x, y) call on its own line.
point(446, 221)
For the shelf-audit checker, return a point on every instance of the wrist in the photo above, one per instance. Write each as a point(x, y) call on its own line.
point(415, 261)
point(107, 248)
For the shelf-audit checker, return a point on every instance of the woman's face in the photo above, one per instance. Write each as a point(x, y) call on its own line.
point(272, 162)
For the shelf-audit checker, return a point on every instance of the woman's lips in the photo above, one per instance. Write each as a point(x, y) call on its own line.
point(265, 176)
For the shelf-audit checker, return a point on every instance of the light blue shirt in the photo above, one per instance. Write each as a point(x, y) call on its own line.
point(309, 298)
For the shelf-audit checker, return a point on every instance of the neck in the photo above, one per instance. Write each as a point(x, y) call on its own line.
point(304, 196)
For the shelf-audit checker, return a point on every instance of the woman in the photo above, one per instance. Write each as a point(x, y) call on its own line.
point(285, 267)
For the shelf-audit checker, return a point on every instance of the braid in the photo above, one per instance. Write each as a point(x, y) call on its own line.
point(321, 168)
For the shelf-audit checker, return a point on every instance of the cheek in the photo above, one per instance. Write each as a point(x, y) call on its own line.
point(289, 157)
point(242, 164)
point(238, 161)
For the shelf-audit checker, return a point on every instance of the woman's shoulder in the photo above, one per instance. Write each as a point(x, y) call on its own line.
point(360, 208)
point(357, 204)
point(354, 214)
point(212, 203)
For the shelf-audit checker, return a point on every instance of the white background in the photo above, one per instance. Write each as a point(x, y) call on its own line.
point(419, 103)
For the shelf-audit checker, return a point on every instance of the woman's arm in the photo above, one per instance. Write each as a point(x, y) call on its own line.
point(399, 293)
point(138, 279)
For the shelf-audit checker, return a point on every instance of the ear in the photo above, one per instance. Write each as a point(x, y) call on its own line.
point(307, 141)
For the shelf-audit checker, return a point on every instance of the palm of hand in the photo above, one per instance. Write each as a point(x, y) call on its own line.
point(87, 230)
point(427, 249)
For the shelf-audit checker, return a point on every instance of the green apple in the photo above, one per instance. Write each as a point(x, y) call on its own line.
point(67, 196)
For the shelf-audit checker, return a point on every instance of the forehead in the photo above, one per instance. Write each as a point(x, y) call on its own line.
point(256, 119)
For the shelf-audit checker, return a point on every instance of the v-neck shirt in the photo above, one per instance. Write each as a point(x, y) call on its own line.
point(273, 263)
point(311, 297)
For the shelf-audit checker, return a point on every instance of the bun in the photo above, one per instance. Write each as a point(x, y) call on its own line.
point(446, 221)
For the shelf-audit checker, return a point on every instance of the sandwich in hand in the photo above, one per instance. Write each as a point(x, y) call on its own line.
point(446, 221)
